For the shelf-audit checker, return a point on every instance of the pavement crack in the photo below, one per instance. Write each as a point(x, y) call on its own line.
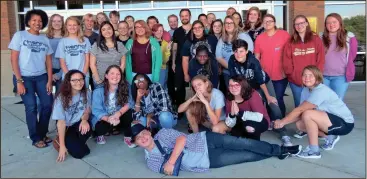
point(95, 169)
point(13, 115)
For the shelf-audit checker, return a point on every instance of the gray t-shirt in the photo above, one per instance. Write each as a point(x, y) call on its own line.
point(73, 52)
point(217, 102)
point(224, 50)
point(107, 58)
point(74, 112)
point(327, 100)
point(33, 50)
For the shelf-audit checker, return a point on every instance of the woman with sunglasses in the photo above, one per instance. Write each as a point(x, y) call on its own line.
point(152, 104)
point(72, 109)
point(110, 107)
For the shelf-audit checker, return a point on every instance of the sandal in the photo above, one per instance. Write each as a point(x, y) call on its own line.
point(47, 140)
point(115, 132)
point(40, 144)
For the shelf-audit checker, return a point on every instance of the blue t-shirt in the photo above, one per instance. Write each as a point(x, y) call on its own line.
point(33, 50)
point(217, 102)
point(73, 52)
point(224, 50)
point(327, 100)
point(74, 112)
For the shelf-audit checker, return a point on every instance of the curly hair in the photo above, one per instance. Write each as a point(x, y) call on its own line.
point(122, 88)
point(38, 12)
point(65, 93)
point(246, 90)
point(197, 109)
point(134, 88)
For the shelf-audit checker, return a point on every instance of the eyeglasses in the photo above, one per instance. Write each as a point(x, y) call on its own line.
point(235, 86)
point(229, 23)
point(139, 80)
point(269, 22)
point(81, 80)
point(300, 24)
point(197, 28)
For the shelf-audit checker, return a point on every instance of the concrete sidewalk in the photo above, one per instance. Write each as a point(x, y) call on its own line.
point(115, 160)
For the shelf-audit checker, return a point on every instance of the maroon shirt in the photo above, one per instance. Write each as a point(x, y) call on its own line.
point(141, 58)
point(254, 104)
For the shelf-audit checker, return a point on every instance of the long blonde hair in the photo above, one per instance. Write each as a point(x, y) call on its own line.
point(50, 30)
point(79, 33)
point(225, 35)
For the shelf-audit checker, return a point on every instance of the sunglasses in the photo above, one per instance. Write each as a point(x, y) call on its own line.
point(139, 80)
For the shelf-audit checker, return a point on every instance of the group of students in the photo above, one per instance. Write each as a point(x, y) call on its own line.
point(138, 73)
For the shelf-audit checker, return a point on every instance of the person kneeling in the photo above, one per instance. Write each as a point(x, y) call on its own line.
point(212, 98)
point(203, 150)
point(246, 113)
point(110, 108)
point(72, 110)
point(320, 113)
point(153, 107)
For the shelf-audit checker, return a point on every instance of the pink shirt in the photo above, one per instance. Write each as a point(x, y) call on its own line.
point(270, 49)
point(335, 61)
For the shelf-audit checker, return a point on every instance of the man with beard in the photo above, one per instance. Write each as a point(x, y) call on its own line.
point(88, 32)
point(179, 38)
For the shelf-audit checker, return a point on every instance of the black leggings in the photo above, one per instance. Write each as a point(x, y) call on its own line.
point(102, 127)
point(239, 130)
point(75, 142)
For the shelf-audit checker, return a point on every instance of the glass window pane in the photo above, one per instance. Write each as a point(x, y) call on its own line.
point(49, 5)
point(93, 4)
point(354, 20)
point(23, 6)
point(194, 3)
point(158, 4)
point(279, 13)
point(219, 2)
point(279, 2)
point(360, 64)
point(21, 22)
point(219, 14)
point(254, 1)
point(109, 4)
point(134, 4)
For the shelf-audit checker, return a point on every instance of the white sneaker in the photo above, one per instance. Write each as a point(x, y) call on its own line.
point(286, 141)
point(101, 140)
point(127, 141)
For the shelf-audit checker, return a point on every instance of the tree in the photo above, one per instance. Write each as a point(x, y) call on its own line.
point(357, 25)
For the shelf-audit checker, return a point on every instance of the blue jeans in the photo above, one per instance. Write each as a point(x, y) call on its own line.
point(36, 85)
point(296, 90)
point(279, 88)
point(165, 120)
point(227, 150)
point(163, 78)
point(338, 84)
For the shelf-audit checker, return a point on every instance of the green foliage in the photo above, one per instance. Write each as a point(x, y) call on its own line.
point(357, 25)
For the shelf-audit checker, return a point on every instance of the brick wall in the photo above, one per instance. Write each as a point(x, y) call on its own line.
point(307, 8)
point(8, 23)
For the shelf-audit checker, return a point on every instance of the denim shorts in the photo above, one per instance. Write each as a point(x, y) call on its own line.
point(338, 125)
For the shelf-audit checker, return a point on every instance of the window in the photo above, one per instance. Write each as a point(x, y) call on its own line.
point(23, 6)
point(21, 21)
point(158, 4)
point(194, 3)
point(219, 14)
point(219, 2)
point(279, 13)
point(279, 2)
point(93, 4)
point(49, 5)
point(253, 1)
point(134, 4)
point(360, 64)
point(109, 4)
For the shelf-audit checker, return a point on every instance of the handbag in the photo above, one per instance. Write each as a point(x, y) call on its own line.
point(177, 165)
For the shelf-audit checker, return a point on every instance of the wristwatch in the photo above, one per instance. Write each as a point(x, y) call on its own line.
point(20, 80)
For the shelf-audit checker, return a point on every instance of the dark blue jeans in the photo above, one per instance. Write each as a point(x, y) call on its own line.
point(279, 88)
point(227, 150)
point(36, 85)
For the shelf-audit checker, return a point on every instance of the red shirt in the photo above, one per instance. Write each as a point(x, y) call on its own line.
point(270, 49)
point(254, 104)
point(141, 58)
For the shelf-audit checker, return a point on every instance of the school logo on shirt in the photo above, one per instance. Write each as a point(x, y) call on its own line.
point(75, 50)
point(203, 71)
point(75, 108)
point(249, 73)
point(227, 47)
point(194, 46)
point(306, 51)
point(35, 46)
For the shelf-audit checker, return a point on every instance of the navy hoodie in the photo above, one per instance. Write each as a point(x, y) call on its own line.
point(250, 69)
point(195, 68)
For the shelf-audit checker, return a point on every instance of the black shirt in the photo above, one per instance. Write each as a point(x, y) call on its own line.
point(179, 37)
point(124, 42)
point(92, 38)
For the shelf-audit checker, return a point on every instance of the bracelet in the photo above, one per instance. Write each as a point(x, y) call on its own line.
point(119, 112)
point(20, 80)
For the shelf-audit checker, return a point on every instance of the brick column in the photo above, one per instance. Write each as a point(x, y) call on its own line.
point(8, 28)
point(309, 9)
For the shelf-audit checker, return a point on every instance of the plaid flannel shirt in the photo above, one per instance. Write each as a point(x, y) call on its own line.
point(160, 103)
point(167, 138)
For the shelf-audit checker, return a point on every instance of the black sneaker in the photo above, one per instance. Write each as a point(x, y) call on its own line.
point(289, 151)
